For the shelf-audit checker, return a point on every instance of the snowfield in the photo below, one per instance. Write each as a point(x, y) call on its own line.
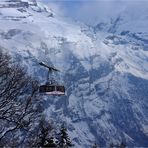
point(105, 71)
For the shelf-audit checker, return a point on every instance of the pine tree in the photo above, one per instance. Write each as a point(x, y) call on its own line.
point(51, 143)
point(122, 145)
point(111, 145)
point(64, 141)
point(44, 139)
point(95, 145)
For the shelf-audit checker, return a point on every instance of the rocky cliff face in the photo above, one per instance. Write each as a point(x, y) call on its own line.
point(16, 3)
point(104, 69)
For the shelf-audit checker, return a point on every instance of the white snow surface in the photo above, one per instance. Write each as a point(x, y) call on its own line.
point(34, 35)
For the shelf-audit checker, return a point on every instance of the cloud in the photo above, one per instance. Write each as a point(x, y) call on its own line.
point(55, 6)
point(102, 10)
point(93, 11)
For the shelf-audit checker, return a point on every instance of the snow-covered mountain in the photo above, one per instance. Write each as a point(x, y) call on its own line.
point(104, 69)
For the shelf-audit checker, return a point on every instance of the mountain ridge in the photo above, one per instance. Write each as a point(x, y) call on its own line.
point(105, 72)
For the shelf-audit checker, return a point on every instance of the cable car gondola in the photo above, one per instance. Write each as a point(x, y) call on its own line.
point(51, 87)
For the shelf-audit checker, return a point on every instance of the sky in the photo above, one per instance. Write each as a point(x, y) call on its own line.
point(91, 11)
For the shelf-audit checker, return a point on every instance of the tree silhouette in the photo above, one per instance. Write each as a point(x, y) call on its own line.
point(64, 139)
point(17, 101)
point(121, 145)
point(95, 145)
point(45, 138)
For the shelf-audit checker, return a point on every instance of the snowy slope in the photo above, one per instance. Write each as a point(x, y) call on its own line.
point(104, 69)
